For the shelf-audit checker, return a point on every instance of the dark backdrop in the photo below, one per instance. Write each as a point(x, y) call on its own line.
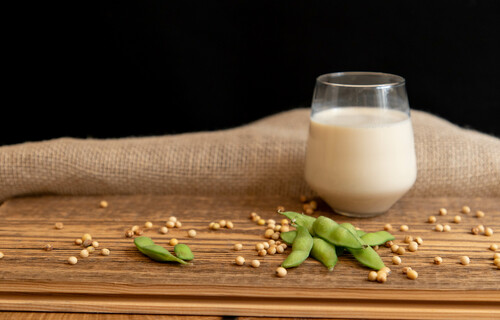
point(134, 68)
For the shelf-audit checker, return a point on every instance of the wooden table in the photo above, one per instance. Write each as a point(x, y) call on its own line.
point(127, 283)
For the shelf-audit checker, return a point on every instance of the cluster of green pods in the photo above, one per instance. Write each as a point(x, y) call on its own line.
point(158, 253)
point(324, 239)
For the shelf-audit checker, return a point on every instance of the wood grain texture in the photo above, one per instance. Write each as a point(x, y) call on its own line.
point(95, 316)
point(128, 282)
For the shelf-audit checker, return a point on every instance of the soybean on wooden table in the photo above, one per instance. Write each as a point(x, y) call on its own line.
point(128, 282)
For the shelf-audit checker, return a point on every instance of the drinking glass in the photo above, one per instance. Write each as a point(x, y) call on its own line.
point(360, 155)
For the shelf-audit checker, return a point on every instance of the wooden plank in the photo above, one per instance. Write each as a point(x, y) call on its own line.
point(127, 281)
point(296, 307)
point(95, 316)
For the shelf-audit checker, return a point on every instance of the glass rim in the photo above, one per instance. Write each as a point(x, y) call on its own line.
point(398, 80)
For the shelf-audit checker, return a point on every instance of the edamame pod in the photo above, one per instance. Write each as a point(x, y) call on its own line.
point(377, 238)
point(360, 233)
point(154, 251)
point(182, 251)
point(339, 251)
point(301, 220)
point(336, 234)
point(353, 229)
point(324, 252)
point(288, 236)
point(321, 249)
point(301, 248)
point(349, 227)
point(368, 257)
point(143, 241)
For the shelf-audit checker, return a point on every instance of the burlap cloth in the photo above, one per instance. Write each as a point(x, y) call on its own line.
point(264, 157)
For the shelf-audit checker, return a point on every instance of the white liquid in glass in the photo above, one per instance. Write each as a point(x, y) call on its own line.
point(360, 160)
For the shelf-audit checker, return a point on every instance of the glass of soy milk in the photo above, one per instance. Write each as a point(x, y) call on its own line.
point(360, 155)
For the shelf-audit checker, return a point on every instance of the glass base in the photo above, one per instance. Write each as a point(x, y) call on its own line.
point(359, 215)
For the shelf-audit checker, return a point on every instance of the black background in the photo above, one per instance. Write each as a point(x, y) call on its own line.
point(116, 68)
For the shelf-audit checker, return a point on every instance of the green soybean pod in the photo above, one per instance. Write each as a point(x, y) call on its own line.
point(339, 251)
point(360, 233)
point(324, 225)
point(288, 236)
point(354, 231)
point(336, 234)
point(301, 220)
point(368, 257)
point(143, 242)
point(301, 248)
point(154, 251)
point(324, 252)
point(349, 227)
point(377, 238)
point(182, 251)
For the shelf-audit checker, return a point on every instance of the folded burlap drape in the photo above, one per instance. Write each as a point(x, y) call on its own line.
point(264, 157)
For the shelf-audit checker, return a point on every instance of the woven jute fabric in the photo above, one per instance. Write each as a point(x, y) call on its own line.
point(263, 157)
